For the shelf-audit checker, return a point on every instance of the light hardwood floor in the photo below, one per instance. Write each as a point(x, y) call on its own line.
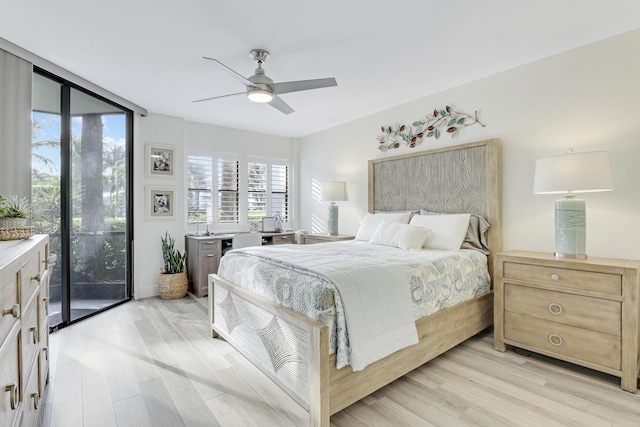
point(152, 363)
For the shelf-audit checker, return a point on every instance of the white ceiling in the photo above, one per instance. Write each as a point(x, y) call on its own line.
point(383, 53)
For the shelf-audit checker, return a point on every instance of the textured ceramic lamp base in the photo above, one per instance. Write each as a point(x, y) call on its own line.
point(332, 223)
point(571, 228)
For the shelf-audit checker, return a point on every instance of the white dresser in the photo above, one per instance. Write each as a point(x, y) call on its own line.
point(24, 329)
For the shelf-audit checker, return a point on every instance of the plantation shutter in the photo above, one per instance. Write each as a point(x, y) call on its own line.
point(280, 191)
point(256, 190)
point(199, 189)
point(228, 191)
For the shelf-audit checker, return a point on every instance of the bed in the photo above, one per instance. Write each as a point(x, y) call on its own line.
point(299, 352)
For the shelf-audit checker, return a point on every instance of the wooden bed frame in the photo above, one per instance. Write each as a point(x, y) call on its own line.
point(293, 350)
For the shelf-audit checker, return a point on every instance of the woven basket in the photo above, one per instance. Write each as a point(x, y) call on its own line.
point(16, 233)
point(172, 286)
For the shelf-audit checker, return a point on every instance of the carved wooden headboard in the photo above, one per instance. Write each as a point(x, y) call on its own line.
point(459, 179)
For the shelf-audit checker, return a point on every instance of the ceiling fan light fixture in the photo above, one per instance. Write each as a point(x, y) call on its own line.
point(259, 95)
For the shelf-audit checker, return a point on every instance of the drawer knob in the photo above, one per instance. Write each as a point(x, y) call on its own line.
point(13, 395)
point(555, 339)
point(554, 276)
point(555, 308)
point(14, 311)
point(45, 302)
point(36, 278)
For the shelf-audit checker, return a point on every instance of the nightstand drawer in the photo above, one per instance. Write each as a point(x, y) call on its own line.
point(577, 343)
point(574, 279)
point(591, 313)
point(280, 240)
point(209, 247)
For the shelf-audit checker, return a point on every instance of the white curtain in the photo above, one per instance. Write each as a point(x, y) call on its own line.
point(15, 125)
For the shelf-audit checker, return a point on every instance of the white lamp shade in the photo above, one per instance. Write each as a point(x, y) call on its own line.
point(334, 191)
point(575, 173)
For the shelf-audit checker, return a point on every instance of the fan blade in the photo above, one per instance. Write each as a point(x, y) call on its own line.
point(221, 96)
point(232, 73)
point(279, 104)
point(286, 87)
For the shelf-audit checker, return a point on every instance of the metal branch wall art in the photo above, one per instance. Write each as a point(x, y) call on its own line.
point(444, 120)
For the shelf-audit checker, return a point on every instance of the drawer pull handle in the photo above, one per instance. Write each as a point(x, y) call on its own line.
point(554, 277)
point(13, 395)
point(555, 339)
point(210, 256)
point(555, 308)
point(36, 278)
point(34, 334)
point(36, 400)
point(45, 350)
point(14, 311)
point(45, 302)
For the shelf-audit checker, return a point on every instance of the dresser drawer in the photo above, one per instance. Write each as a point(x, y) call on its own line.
point(9, 379)
point(280, 240)
point(564, 340)
point(43, 363)
point(9, 308)
point(30, 401)
point(30, 337)
point(573, 279)
point(30, 280)
point(209, 247)
point(585, 312)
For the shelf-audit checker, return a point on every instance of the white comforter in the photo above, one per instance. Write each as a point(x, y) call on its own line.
point(390, 288)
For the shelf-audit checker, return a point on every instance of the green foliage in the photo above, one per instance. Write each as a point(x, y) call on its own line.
point(174, 261)
point(14, 207)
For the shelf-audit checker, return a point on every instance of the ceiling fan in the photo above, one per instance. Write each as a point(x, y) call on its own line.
point(260, 88)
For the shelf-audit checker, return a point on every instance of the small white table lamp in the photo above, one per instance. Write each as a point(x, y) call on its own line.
point(570, 174)
point(334, 191)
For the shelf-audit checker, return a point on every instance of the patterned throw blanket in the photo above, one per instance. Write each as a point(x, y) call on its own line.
point(299, 277)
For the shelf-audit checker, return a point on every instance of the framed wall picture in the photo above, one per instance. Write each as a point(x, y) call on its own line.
point(160, 202)
point(160, 160)
point(268, 224)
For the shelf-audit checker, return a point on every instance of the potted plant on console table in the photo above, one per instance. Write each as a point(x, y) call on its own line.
point(14, 212)
point(173, 281)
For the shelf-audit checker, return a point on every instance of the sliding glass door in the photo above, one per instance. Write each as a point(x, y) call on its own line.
point(81, 196)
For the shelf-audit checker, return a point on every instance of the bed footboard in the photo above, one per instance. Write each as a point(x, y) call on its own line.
point(291, 349)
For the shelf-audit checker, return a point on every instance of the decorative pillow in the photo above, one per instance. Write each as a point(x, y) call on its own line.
point(476, 237)
point(403, 236)
point(449, 230)
point(371, 222)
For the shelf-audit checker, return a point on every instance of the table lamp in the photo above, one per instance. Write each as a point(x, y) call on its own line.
point(570, 174)
point(334, 191)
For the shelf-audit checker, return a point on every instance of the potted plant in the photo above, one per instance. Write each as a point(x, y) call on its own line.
point(173, 281)
point(14, 211)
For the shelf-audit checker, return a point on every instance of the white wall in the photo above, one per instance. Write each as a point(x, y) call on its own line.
point(184, 135)
point(586, 99)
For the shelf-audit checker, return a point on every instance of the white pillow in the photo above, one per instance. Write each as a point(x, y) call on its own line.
point(372, 220)
point(449, 230)
point(403, 236)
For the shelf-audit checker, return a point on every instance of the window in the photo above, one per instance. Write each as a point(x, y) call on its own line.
point(280, 191)
point(243, 188)
point(228, 191)
point(199, 185)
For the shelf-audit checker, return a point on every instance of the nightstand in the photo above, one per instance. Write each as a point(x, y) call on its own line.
point(580, 311)
point(307, 239)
